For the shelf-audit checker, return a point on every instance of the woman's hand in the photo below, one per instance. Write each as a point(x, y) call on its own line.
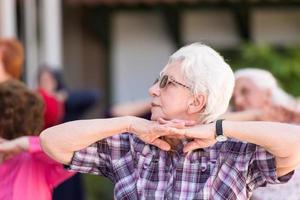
point(10, 148)
point(150, 132)
point(202, 135)
point(177, 123)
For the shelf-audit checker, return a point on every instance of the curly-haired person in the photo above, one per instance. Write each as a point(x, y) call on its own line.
point(25, 171)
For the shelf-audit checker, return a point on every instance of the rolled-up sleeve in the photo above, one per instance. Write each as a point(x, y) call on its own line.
point(262, 169)
point(97, 158)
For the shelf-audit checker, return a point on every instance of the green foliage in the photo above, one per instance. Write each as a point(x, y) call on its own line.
point(284, 64)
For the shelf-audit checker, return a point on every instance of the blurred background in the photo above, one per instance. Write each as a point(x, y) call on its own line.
point(112, 45)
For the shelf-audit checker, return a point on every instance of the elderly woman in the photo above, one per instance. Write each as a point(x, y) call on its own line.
point(254, 82)
point(258, 96)
point(149, 159)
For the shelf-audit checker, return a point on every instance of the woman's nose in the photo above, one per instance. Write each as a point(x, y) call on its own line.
point(238, 100)
point(154, 90)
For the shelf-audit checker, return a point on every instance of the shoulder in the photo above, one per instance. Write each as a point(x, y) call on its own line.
point(120, 145)
point(237, 147)
point(237, 150)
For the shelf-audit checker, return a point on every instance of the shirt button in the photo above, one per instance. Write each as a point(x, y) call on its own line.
point(203, 168)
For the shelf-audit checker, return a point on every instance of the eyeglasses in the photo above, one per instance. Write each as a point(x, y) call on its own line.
point(166, 80)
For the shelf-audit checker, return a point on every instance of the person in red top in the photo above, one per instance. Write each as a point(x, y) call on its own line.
point(54, 101)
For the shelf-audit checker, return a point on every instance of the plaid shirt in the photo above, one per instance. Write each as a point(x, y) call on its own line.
point(226, 170)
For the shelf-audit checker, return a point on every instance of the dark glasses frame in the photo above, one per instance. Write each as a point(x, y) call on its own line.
point(165, 80)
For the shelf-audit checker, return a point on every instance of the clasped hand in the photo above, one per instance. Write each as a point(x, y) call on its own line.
point(154, 132)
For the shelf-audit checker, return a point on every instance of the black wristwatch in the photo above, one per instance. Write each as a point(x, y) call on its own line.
point(220, 137)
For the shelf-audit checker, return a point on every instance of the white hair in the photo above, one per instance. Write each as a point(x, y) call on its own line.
point(265, 80)
point(206, 72)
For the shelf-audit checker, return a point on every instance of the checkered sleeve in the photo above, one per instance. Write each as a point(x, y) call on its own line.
point(97, 158)
point(262, 169)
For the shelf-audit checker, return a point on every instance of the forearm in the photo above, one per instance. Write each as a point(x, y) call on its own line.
point(29, 143)
point(281, 140)
point(61, 141)
point(241, 115)
point(22, 143)
point(296, 117)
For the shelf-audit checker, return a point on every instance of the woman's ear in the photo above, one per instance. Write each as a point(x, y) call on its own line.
point(197, 103)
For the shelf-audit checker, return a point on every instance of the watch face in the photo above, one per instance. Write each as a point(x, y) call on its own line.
point(221, 138)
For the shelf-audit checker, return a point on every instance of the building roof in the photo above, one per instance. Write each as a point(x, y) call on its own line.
point(184, 2)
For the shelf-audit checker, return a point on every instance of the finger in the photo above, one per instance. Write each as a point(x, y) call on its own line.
point(161, 144)
point(179, 125)
point(186, 122)
point(190, 123)
point(167, 130)
point(177, 120)
point(159, 131)
point(162, 121)
point(175, 131)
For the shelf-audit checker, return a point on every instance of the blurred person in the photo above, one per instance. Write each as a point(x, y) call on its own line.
point(26, 172)
point(257, 96)
point(54, 101)
point(176, 155)
point(11, 59)
point(62, 105)
point(140, 108)
point(76, 103)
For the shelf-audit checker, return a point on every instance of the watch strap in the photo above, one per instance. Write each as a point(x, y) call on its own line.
point(219, 127)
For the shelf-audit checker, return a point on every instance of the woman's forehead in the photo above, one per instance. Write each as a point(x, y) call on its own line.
point(172, 69)
point(244, 81)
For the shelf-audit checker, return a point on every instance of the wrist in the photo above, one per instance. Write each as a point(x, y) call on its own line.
point(23, 142)
point(129, 123)
point(257, 114)
point(226, 128)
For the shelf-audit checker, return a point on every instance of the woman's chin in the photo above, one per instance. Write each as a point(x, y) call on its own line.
point(155, 116)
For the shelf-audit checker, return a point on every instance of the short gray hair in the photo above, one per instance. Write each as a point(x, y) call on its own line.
point(265, 80)
point(206, 72)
